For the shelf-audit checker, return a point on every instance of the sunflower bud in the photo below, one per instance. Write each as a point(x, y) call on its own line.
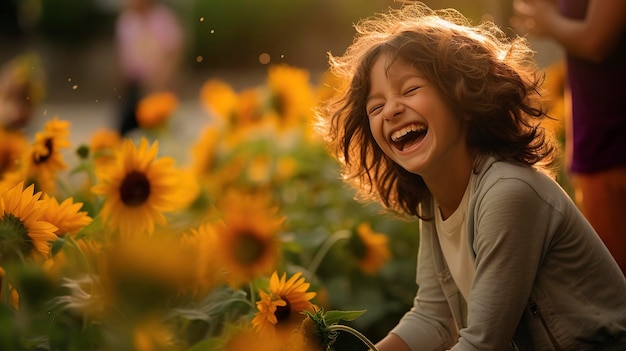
point(83, 152)
point(312, 333)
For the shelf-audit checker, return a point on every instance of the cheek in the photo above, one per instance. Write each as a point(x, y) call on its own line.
point(378, 139)
point(375, 128)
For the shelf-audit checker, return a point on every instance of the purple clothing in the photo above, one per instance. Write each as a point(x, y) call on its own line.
point(598, 104)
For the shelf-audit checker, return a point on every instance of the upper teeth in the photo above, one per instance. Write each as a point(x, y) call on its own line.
point(398, 134)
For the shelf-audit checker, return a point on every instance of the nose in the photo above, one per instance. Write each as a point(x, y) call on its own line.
point(392, 109)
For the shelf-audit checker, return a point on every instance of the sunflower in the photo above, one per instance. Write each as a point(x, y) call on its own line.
point(13, 178)
point(247, 112)
point(283, 304)
point(45, 159)
point(152, 334)
point(189, 189)
point(218, 99)
point(105, 139)
point(291, 95)
point(145, 273)
point(309, 336)
point(139, 189)
point(238, 338)
point(103, 144)
point(198, 246)
point(370, 249)
point(259, 169)
point(66, 216)
point(240, 112)
point(22, 230)
point(204, 151)
point(154, 110)
point(248, 244)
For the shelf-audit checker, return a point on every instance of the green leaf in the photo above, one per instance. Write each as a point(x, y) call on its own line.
point(57, 245)
point(215, 305)
point(333, 317)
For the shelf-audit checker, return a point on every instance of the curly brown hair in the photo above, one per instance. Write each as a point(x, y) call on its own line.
point(489, 80)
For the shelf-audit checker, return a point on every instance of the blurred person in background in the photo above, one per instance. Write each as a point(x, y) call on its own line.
point(593, 35)
point(150, 42)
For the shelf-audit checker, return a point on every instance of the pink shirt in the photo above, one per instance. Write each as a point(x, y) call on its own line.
point(146, 40)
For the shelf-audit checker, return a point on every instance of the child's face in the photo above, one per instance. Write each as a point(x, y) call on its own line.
point(411, 121)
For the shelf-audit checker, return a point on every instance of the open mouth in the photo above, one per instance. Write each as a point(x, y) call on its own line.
point(408, 136)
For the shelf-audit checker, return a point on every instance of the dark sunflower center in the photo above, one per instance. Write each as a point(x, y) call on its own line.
point(43, 158)
point(14, 239)
point(248, 248)
point(5, 163)
point(135, 189)
point(282, 312)
point(278, 102)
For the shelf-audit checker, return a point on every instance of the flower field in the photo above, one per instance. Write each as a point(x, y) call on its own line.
point(141, 246)
point(246, 239)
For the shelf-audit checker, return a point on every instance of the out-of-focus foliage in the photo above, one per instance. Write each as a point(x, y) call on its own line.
point(236, 32)
point(67, 22)
point(224, 33)
point(157, 243)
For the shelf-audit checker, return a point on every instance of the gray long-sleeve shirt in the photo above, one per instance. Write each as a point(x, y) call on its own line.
point(543, 276)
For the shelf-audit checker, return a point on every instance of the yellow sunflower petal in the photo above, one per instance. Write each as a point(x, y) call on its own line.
point(139, 189)
point(25, 206)
point(66, 216)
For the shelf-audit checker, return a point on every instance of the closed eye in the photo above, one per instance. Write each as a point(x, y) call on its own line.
point(411, 90)
point(374, 109)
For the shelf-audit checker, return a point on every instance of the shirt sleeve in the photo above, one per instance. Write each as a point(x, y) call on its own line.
point(512, 229)
point(429, 324)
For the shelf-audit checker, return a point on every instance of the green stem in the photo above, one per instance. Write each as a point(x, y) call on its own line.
point(317, 260)
point(354, 332)
point(252, 296)
point(87, 263)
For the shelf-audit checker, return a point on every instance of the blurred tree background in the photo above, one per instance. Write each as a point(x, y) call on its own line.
point(223, 37)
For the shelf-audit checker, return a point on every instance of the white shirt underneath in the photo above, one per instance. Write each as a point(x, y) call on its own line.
point(452, 234)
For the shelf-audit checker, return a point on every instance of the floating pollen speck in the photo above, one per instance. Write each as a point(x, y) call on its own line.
point(74, 87)
point(199, 59)
point(201, 19)
point(212, 31)
point(264, 58)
